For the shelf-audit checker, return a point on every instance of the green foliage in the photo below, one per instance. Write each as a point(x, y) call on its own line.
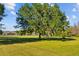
point(1, 14)
point(1, 11)
point(21, 32)
point(43, 19)
point(1, 32)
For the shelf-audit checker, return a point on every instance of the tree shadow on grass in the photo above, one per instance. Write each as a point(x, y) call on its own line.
point(14, 40)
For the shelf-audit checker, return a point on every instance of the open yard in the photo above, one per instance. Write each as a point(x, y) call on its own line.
point(32, 46)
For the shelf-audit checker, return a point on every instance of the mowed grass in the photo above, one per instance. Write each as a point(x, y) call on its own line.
point(32, 46)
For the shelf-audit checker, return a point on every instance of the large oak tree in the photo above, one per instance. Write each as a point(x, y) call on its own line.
point(43, 19)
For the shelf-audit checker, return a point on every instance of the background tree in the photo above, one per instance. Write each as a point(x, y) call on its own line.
point(21, 32)
point(1, 11)
point(1, 16)
point(75, 30)
point(1, 32)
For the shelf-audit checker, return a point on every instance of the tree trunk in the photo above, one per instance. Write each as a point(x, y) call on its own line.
point(39, 35)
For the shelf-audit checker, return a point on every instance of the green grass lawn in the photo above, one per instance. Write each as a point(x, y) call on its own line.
point(32, 46)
